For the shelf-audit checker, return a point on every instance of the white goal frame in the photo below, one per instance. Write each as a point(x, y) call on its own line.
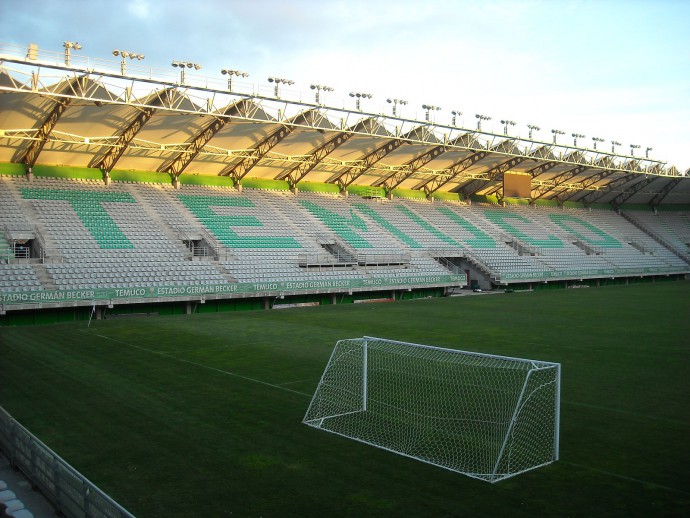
point(486, 416)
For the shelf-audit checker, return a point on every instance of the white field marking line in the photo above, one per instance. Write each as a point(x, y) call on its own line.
point(625, 477)
point(221, 371)
point(296, 381)
point(202, 349)
point(627, 412)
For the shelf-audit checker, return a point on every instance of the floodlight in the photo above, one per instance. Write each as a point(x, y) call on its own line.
point(182, 65)
point(395, 103)
point(319, 89)
point(507, 123)
point(278, 81)
point(126, 54)
point(456, 113)
point(428, 108)
point(481, 118)
point(230, 73)
point(577, 136)
point(597, 139)
point(69, 45)
point(359, 96)
point(532, 128)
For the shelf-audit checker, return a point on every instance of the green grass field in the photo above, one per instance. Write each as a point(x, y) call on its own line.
point(201, 415)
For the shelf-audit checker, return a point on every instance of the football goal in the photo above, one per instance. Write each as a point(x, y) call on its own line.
point(486, 416)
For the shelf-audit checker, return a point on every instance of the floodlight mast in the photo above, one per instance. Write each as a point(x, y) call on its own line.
point(359, 96)
point(428, 108)
point(577, 136)
point(633, 147)
point(126, 54)
point(456, 113)
point(185, 64)
point(230, 73)
point(646, 153)
point(481, 118)
point(507, 123)
point(69, 45)
point(556, 132)
point(395, 103)
point(319, 89)
point(279, 81)
point(597, 139)
point(532, 128)
point(614, 143)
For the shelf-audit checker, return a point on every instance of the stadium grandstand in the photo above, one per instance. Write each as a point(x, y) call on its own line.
point(125, 189)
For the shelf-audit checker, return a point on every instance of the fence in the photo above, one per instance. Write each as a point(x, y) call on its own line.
point(68, 490)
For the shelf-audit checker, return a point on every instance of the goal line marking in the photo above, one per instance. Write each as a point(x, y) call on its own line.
point(620, 411)
point(625, 477)
point(221, 371)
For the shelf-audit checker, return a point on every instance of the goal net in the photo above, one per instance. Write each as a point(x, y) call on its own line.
point(489, 417)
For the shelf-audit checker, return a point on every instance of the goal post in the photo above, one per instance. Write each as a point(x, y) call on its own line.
point(487, 416)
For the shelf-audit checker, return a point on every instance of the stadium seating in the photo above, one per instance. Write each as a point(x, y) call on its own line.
point(143, 235)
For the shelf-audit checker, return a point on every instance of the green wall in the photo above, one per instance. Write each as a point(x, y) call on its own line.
point(12, 168)
point(84, 173)
point(318, 187)
point(119, 175)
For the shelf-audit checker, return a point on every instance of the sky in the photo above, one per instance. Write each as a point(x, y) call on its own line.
point(612, 69)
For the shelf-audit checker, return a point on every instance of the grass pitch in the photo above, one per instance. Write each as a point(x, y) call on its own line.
point(201, 415)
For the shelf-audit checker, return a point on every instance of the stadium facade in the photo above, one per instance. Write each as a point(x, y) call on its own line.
point(130, 190)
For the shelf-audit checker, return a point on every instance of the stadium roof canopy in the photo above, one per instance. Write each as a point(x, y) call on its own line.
point(67, 110)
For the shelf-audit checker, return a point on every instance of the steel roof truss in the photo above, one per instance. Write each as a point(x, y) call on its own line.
point(295, 174)
point(495, 173)
point(434, 183)
point(624, 196)
point(668, 187)
point(559, 180)
point(587, 183)
point(613, 184)
point(239, 170)
point(31, 155)
point(351, 173)
point(394, 179)
point(115, 152)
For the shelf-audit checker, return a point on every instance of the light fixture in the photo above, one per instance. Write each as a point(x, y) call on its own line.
point(395, 103)
point(597, 139)
point(360, 96)
point(532, 128)
point(185, 64)
point(279, 81)
point(614, 143)
point(428, 108)
point(556, 132)
point(646, 152)
point(69, 45)
point(507, 123)
point(481, 118)
point(633, 147)
point(456, 113)
point(124, 54)
point(230, 73)
point(319, 89)
point(577, 136)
